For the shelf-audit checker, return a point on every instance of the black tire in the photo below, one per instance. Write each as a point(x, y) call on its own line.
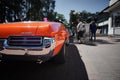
point(60, 57)
point(67, 42)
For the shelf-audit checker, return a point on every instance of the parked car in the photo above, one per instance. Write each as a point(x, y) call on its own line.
point(25, 41)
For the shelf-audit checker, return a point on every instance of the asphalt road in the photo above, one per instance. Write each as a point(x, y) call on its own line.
point(101, 58)
point(98, 60)
point(73, 69)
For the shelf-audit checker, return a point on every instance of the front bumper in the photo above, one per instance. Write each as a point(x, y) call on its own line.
point(27, 53)
point(37, 58)
point(40, 55)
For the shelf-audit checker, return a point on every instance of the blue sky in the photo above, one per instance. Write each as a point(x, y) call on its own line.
point(64, 6)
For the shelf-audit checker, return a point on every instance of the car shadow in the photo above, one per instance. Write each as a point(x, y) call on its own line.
point(73, 69)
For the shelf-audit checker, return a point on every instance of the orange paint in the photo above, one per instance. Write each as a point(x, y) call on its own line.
point(47, 29)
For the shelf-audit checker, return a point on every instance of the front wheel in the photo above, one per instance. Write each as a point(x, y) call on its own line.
point(67, 42)
point(60, 57)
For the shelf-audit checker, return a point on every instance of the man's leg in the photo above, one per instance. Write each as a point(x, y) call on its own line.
point(82, 36)
point(94, 36)
point(78, 36)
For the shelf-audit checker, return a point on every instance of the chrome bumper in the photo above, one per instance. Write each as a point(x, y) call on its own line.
point(27, 54)
point(39, 58)
point(27, 50)
point(40, 52)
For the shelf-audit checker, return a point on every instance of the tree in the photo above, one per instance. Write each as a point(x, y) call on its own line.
point(10, 9)
point(61, 18)
point(48, 9)
point(38, 9)
point(73, 17)
point(33, 10)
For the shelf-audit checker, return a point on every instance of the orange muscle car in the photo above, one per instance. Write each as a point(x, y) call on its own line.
point(37, 41)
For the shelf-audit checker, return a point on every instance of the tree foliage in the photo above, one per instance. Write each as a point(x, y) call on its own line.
point(9, 9)
point(33, 10)
point(61, 18)
point(73, 17)
point(29, 10)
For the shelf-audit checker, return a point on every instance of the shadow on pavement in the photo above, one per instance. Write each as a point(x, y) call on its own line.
point(116, 40)
point(100, 41)
point(97, 42)
point(92, 43)
point(73, 69)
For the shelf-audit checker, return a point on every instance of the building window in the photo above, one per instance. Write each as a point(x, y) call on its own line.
point(116, 20)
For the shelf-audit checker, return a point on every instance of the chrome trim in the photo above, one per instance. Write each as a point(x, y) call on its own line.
point(25, 41)
point(19, 48)
point(29, 50)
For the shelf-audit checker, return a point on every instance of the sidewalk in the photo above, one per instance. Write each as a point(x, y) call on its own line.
point(102, 58)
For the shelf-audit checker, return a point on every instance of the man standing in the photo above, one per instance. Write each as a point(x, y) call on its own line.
point(80, 30)
point(93, 29)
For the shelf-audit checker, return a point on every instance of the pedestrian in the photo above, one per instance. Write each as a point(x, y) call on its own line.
point(93, 29)
point(73, 31)
point(80, 31)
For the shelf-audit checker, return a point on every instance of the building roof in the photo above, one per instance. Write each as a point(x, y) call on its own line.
point(112, 7)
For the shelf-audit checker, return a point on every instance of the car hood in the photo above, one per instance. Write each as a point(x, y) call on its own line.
point(28, 29)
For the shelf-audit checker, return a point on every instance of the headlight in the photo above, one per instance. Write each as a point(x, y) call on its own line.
point(49, 42)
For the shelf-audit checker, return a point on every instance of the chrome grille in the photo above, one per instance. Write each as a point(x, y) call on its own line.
point(25, 41)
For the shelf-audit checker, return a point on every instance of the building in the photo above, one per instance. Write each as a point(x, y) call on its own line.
point(110, 22)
